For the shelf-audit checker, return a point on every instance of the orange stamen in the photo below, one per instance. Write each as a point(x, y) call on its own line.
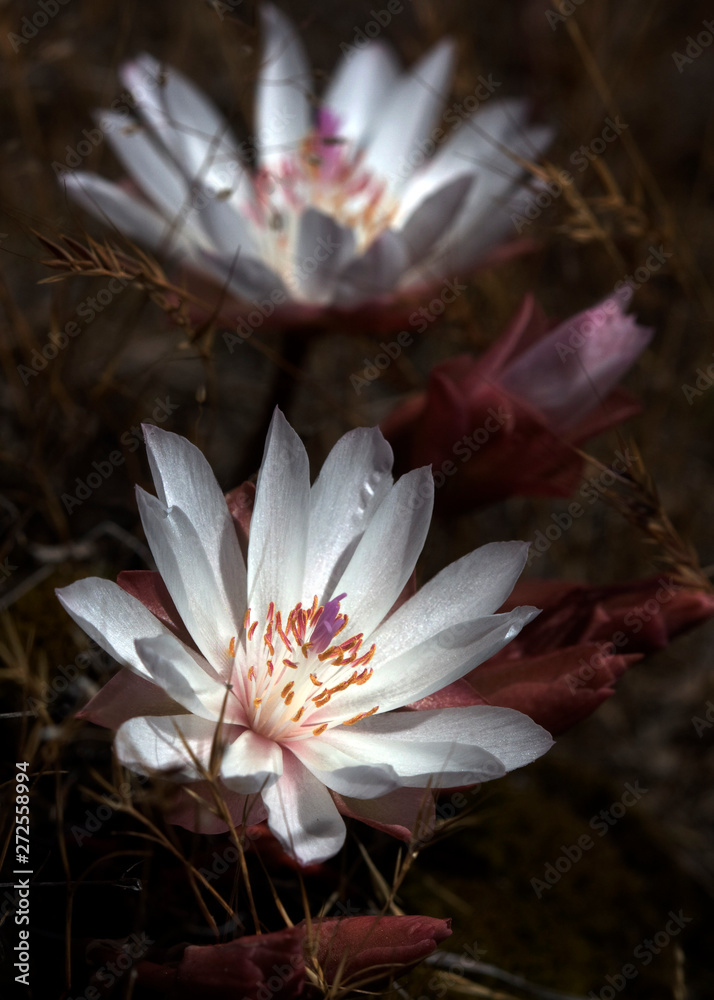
point(362, 715)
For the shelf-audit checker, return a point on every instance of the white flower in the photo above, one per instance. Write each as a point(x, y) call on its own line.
point(344, 208)
point(296, 652)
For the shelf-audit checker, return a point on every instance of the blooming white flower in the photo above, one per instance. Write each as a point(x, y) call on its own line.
point(344, 208)
point(293, 663)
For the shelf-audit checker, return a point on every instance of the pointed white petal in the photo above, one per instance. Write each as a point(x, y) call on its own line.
point(245, 276)
point(409, 115)
point(442, 747)
point(197, 578)
point(188, 124)
point(282, 112)
point(150, 168)
point(472, 587)
point(428, 667)
point(302, 815)
point(183, 478)
point(469, 144)
point(434, 216)
point(112, 618)
point(323, 249)
point(485, 217)
point(363, 80)
point(375, 273)
point(345, 771)
point(387, 552)
point(184, 675)
point(156, 743)
point(252, 763)
point(279, 525)
point(352, 483)
point(135, 219)
point(414, 752)
point(229, 230)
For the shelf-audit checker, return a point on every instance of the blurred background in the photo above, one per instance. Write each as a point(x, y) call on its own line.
point(135, 358)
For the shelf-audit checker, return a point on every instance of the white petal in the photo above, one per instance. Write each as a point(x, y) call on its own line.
point(282, 111)
point(323, 248)
point(409, 115)
point(485, 219)
point(375, 273)
point(444, 747)
point(183, 478)
point(363, 80)
point(156, 743)
point(472, 587)
point(197, 578)
point(247, 277)
point(302, 815)
point(469, 144)
point(434, 217)
point(345, 771)
point(353, 481)
point(229, 230)
point(112, 618)
point(183, 675)
point(368, 764)
point(149, 167)
point(188, 124)
point(279, 525)
point(388, 551)
point(134, 218)
point(251, 763)
point(426, 668)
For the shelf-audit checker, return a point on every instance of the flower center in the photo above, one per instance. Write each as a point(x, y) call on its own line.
point(296, 665)
point(326, 172)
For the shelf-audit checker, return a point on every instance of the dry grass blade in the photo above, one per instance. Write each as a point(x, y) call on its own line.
point(638, 501)
point(156, 836)
point(448, 961)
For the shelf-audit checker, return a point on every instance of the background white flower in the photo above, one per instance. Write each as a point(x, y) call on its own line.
point(343, 208)
point(296, 652)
